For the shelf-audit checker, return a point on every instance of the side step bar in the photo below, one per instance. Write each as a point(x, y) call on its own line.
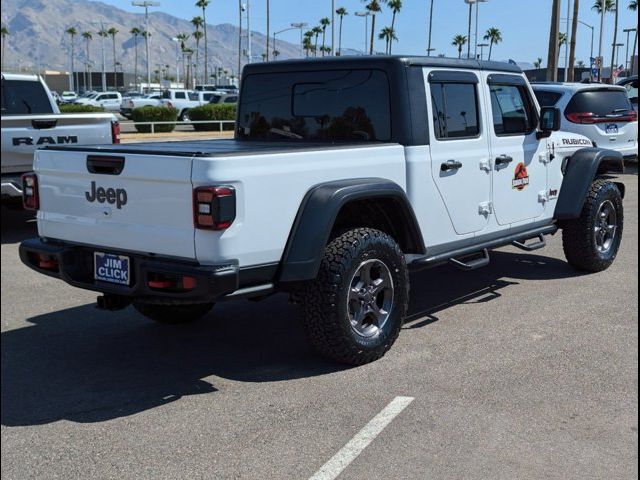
point(522, 245)
point(473, 264)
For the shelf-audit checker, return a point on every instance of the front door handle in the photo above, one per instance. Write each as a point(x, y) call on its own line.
point(503, 160)
point(450, 165)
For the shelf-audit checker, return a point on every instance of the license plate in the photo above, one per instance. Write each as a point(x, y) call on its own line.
point(612, 128)
point(111, 268)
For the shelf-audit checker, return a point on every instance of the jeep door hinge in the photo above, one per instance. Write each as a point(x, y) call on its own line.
point(544, 158)
point(486, 165)
point(485, 208)
point(543, 196)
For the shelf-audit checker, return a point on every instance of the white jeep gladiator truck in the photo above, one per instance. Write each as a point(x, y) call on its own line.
point(343, 176)
point(31, 119)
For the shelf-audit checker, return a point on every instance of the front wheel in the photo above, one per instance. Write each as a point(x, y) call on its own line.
point(354, 309)
point(591, 242)
point(173, 314)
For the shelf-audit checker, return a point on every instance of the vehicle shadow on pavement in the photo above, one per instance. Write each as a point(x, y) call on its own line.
point(17, 225)
point(86, 365)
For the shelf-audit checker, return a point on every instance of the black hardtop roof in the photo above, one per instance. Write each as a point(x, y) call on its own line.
point(378, 61)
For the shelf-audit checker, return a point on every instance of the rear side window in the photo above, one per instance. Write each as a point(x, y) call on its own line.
point(455, 110)
point(231, 100)
point(546, 98)
point(23, 97)
point(181, 95)
point(333, 105)
point(511, 110)
point(599, 102)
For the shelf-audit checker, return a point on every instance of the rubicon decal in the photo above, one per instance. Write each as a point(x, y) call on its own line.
point(521, 177)
point(576, 141)
point(109, 195)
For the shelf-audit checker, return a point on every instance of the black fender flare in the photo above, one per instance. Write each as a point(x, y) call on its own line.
point(581, 169)
point(317, 215)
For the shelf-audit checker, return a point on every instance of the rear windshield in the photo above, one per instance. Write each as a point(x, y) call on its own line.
point(546, 98)
point(599, 102)
point(24, 97)
point(333, 106)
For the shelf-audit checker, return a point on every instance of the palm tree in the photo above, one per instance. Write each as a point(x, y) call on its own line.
point(197, 35)
point(633, 6)
point(4, 31)
point(88, 36)
point(608, 4)
point(146, 35)
point(494, 36)
point(388, 35)
point(307, 45)
point(72, 32)
point(324, 23)
point(580, 64)
point(459, 41)
point(374, 8)
point(572, 43)
point(316, 32)
point(395, 6)
point(341, 12)
point(538, 63)
point(183, 37)
point(552, 55)
point(197, 22)
point(113, 32)
point(203, 4)
point(135, 31)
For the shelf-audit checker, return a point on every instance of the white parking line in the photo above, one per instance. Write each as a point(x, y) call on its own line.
point(364, 437)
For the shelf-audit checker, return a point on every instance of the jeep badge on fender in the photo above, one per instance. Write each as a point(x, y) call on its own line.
point(109, 195)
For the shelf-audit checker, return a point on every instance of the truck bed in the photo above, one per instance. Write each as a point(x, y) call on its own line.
point(214, 148)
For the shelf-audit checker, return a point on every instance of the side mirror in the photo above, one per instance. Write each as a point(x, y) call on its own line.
point(549, 121)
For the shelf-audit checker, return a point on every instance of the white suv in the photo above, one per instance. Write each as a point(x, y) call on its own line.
point(110, 101)
point(602, 113)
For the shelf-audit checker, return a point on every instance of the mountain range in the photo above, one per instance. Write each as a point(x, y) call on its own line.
point(37, 38)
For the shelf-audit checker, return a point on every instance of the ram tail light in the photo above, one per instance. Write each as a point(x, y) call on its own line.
point(30, 195)
point(44, 261)
point(214, 208)
point(115, 132)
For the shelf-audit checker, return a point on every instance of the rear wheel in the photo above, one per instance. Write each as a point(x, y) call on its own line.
point(173, 314)
point(591, 242)
point(353, 311)
point(184, 116)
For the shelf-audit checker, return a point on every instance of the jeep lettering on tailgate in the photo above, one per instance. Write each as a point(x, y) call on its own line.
point(109, 195)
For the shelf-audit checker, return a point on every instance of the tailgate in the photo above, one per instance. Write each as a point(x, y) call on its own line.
point(147, 207)
point(22, 135)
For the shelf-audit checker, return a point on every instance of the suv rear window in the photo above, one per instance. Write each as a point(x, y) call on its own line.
point(599, 102)
point(547, 98)
point(334, 105)
point(24, 97)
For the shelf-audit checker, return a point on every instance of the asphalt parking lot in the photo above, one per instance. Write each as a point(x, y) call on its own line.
point(524, 369)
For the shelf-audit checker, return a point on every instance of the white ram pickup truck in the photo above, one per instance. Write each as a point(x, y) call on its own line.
point(344, 175)
point(31, 119)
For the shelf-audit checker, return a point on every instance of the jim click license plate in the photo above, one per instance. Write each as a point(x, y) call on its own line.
point(111, 268)
point(612, 128)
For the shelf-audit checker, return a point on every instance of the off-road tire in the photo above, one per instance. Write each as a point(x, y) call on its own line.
point(173, 314)
point(324, 301)
point(578, 235)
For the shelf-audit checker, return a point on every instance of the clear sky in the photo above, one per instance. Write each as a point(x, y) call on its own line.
point(524, 23)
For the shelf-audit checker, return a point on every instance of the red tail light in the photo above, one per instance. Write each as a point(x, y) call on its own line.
point(115, 132)
point(44, 261)
point(591, 118)
point(30, 196)
point(214, 208)
point(174, 283)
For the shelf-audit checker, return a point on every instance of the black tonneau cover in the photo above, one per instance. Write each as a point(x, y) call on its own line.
point(212, 148)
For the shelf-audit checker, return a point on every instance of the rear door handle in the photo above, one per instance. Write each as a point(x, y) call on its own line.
point(503, 160)
point(450, 165)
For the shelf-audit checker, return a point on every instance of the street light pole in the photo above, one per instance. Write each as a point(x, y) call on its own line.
point(615, 62)
point(482, 45)
point(478, 2)
point(626, 56)
point(366, 28)
point(301, 26)
point(566, 45)
point(146, 4)
point(603, 8)
point(429, 49)
point(333, 26)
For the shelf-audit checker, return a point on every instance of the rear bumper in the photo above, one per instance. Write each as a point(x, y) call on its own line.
point(11, 186)
point(75, 266)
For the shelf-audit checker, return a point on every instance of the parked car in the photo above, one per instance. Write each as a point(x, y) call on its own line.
point(31, 119)
point(128, 104)
point(344, 174)
point(110, 101)
point(631, 85)
point(69, 97)
point(185, 100)
point(220, 98)
point(602, 113)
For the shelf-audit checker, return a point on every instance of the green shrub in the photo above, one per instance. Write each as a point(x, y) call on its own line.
point(213, 112)
point(154, 114)
point(73, 108)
